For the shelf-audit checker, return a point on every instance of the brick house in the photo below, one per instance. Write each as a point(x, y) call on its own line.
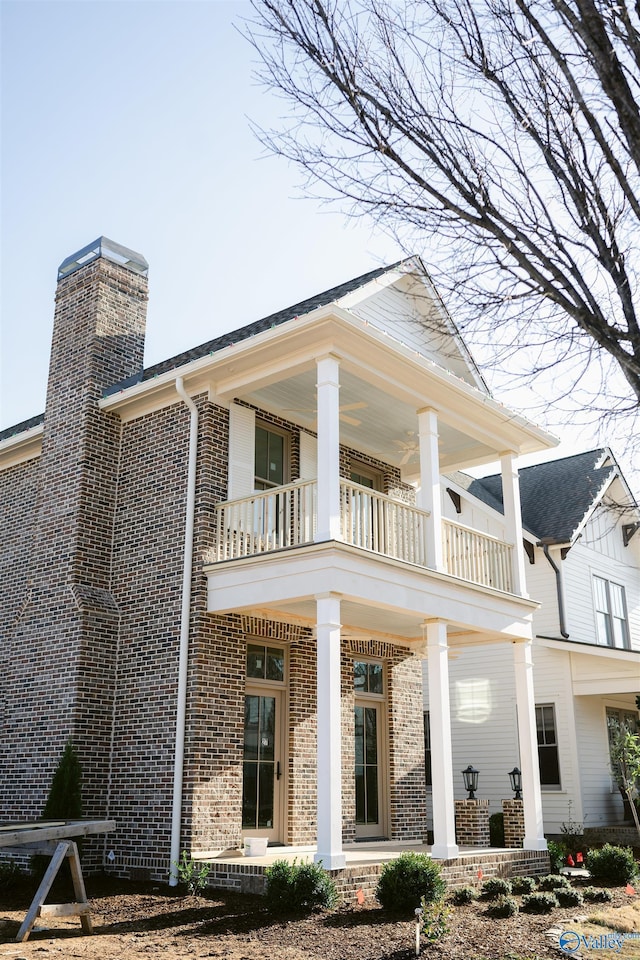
point(222, 573)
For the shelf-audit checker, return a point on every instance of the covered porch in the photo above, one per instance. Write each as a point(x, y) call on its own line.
point(357, 879)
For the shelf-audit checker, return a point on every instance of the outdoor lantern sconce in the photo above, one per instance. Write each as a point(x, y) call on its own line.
point(516, 783)
point(470, 777)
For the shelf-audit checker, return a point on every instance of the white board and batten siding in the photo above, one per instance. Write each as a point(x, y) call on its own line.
point(407, 312)
point(596, 555)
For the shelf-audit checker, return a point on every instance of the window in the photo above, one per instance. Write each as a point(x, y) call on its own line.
point(366, 476)
point(271, 451)
point(367, 677)
point(427, 748)
point(547, 746)
point(611, 614)
point(265, 663)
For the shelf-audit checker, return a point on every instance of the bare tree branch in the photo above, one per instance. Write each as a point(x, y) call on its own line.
point(507, 131)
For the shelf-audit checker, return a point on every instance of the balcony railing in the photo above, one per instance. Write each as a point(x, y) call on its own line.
point(286, 517)
point(375, 522)
point(476, 556)
point(269, 520)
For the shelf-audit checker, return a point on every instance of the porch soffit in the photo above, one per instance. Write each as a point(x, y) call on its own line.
point(379, 595)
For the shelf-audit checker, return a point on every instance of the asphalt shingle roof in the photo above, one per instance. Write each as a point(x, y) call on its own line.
point(243, 333)
point(555, 496)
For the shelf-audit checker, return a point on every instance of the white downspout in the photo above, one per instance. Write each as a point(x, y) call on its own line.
point(176, 818)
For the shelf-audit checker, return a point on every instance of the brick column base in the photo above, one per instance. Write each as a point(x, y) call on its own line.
point(472, 823)
point(513, 813)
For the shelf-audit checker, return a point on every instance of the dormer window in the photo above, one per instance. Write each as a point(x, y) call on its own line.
point(612, 627)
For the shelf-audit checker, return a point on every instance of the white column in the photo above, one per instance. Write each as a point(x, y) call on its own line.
point(444, 819)
point(528, 743)
point(513, 518)
point(328, 526)
point(429, 496)
point(329, 850)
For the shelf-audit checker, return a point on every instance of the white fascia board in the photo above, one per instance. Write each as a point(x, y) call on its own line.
point(21, 447)
point(592, 649)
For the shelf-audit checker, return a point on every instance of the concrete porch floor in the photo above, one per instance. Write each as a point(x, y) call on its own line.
point(232, 870)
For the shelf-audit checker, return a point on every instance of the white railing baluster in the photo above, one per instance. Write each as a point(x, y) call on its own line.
point(475, 556)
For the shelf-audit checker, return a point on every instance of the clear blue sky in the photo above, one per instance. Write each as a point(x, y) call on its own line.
point(129, 119)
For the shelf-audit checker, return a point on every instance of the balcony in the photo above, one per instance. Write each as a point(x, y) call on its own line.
point(285, 517)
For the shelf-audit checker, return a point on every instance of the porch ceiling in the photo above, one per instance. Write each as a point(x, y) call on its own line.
point(371, 421)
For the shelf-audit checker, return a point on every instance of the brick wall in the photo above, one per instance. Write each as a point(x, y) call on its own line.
point(63, 640)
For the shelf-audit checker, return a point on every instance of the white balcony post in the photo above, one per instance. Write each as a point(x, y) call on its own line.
point(528, 743)
point(328, 384)
point(513, 519)
point(329, 849)
point(444, 819)
point(429, 496)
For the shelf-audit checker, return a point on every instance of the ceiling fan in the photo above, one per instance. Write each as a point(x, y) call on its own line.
point(408, 447)
point(353, 421)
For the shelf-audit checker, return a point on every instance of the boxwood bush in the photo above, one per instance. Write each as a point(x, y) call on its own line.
point(407, 880)
point(553, 882)
point(502, 906)
point(462, 895)
point(569, 898)
point(496, 887)
point(612, 864)
point(539, 903)
point(523, 884)
point(298, 887)
point(597, 895)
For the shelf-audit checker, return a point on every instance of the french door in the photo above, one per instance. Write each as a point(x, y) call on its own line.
point(263, 764)
point(369, 769)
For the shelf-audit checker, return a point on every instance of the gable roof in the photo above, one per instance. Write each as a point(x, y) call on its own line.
point(557, 496)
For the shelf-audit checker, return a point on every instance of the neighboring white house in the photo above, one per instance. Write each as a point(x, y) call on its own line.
point(582, 538)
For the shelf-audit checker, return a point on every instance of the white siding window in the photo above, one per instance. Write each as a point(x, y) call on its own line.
point(611, 614)
point(547, 746)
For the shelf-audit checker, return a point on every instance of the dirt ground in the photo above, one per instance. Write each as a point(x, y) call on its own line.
point(147, 922)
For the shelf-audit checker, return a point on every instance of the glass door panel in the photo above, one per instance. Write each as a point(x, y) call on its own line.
point(367, 770)
point(261, 765)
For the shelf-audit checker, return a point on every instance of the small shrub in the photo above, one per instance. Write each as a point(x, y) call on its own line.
point(615, 864)
point(298, 887)
point(523, 884)
point(496, 829)
point(435, 920)
point(191, 874)
point(557, 855)
point(462, 895)
point(569, 898)
point(503, 906)
point(553, 882)
point(496, 887)
point(407, 880)
point(10, 874)
point(539, 903)
point(597, 895)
